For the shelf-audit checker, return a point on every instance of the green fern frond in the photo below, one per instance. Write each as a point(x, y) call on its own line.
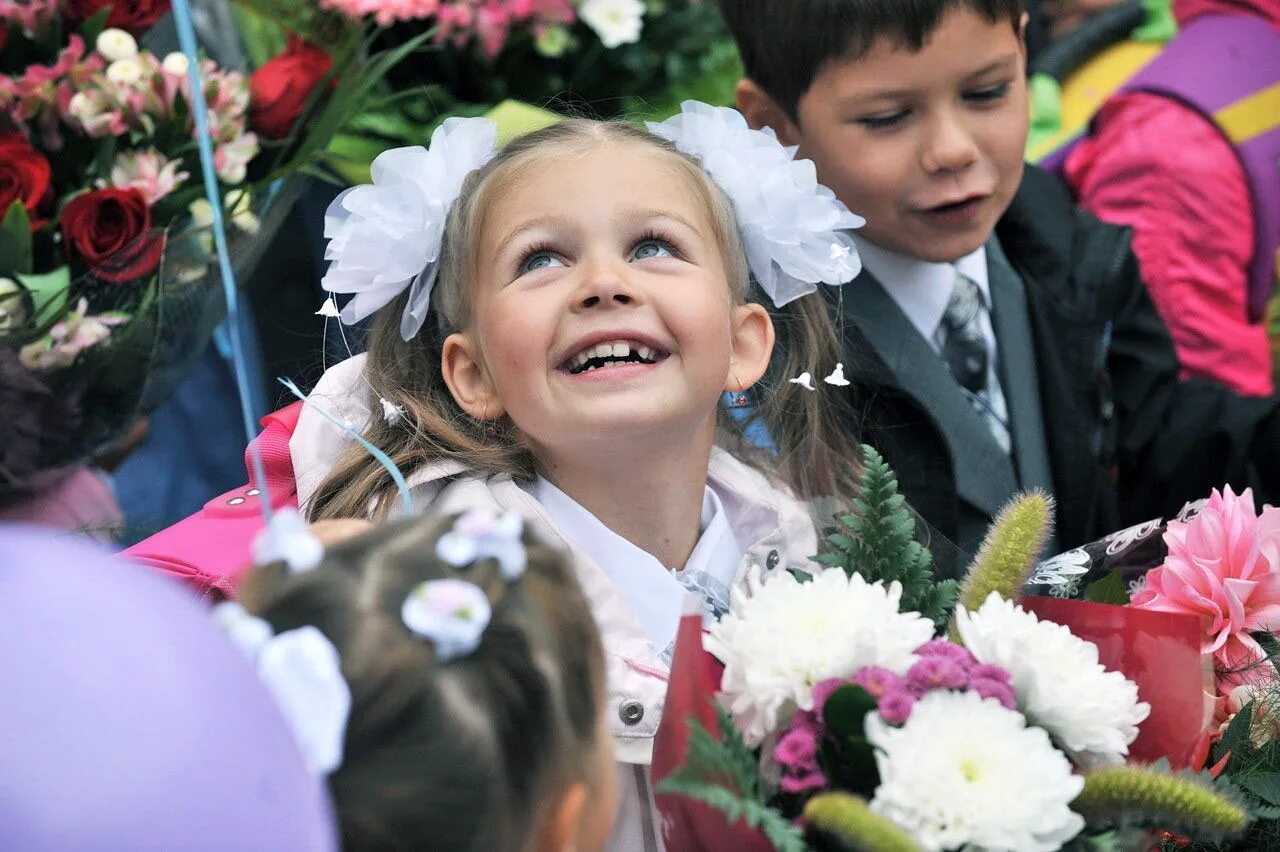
point(846, 819)
point(877, 540)
point(723, 774)
point(1190, 804)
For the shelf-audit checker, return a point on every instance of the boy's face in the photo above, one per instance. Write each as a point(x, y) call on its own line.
point(927, 145)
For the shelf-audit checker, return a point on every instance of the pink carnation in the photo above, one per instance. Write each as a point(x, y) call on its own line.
point(1223, 565)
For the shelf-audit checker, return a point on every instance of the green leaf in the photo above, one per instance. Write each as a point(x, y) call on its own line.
point(1109, 590)
point(48, 292)
point(15, 240)
point(846, 710)
point(1265, 787)
point(1236, 739)
point(93, 26)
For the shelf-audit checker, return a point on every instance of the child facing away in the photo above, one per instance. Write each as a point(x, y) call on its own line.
point(998, 338)
point(553, 328)
point(446, 675)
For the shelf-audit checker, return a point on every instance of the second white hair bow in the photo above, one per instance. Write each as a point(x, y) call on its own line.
point(792, 226)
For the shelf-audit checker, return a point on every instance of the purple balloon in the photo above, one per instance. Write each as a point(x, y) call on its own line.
point(129, 722)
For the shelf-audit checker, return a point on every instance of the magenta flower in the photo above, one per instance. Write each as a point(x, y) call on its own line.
point(877, 680)
point(1223, 565)
point(797, 749)
point(813, 779)
point(1000, 690)
point(895, 706)
point(947, 650)
point(936, 673)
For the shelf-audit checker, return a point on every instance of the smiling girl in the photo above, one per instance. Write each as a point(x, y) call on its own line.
point(584, 307)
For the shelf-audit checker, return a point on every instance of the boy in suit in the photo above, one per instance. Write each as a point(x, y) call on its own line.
point(999, 339)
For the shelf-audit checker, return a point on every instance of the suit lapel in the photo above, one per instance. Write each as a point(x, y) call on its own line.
point(984, 475)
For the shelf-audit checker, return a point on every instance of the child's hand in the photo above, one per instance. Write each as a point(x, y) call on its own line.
point(337, 530)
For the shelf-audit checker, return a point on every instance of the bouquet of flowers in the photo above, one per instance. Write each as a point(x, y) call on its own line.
point(904, 713)
point(105, 253)
point(1218, 562)
point(606, 58)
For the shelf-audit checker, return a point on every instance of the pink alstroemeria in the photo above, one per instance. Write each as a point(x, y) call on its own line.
point(149, 172)
point(70, 336)
point(1223, 565)
point(31, 16)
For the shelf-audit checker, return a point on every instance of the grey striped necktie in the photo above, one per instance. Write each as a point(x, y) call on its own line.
point(967, 355)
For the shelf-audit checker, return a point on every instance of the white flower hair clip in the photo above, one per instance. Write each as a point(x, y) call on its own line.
point(485, 534)
point(303, 672)
point(452, 614)
point(791, 225)
point(386, 236)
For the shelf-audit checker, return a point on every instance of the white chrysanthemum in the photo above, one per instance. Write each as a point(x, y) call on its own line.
point(616, 22)
point(964, 771)
point(1091, 712)
point(788, 636)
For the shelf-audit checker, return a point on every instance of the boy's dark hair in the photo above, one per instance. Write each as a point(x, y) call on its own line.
point(786, 43)
point(458, 755)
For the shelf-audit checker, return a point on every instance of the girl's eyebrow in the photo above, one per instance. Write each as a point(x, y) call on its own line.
point(630, 218)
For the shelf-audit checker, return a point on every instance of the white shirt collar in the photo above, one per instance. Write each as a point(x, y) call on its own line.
point(919, 287)
point(655, 594)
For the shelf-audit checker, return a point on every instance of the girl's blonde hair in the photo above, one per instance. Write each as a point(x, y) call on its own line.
point(816, 455)
point(464, 755)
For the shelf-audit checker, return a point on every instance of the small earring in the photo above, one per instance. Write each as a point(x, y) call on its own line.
point(740, 398)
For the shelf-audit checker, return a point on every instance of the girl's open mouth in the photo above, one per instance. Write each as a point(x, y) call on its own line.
point(611, 353)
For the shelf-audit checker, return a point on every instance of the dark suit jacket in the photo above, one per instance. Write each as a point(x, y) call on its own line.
point(1126, 440)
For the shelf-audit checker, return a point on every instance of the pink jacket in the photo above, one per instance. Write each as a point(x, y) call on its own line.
point(1160, 168)
point(778, 529)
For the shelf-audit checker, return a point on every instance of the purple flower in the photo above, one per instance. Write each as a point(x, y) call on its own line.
point(812, 779)
point(948, 651)
point(997, 689)
point(986, 671)
point(936, 673)
point(797, 749)
point(895, 706)
point(877, 680)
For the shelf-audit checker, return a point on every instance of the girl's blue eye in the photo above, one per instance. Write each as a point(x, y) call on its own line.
point(540, 260)
point(646, 249)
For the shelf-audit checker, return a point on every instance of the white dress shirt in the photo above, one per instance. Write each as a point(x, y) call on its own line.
point(655, 593)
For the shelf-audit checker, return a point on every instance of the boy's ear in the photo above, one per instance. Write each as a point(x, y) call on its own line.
point(760, 110)
point(468, 378)
point(752, 346)
point(560, 829)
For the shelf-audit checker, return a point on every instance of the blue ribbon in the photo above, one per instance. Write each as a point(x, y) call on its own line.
point(200, 112)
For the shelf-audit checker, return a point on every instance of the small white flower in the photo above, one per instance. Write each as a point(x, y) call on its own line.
point(1061, 686)
point(452, 614)
point(13, 312)
point(787, 637)
point(391, 412)
point(176, 63)
point(837, 377)
point(124, 72)
point(614, 21)
point(115, 45)
point(328, 309)
point(964, 771)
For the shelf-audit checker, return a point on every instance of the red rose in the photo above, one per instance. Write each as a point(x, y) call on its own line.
point(280, 88)
point(24, 176)
point(110, 229)
point(136, 16)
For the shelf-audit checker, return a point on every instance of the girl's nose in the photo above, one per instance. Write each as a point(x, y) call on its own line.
point(604, 285)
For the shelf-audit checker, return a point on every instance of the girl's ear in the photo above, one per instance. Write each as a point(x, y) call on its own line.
point(560, 829)
point(468, 379)
point(752, 342)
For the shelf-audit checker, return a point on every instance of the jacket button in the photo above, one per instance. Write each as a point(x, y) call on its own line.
point(631, 712)
point(235, 501)
point(771, 561)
